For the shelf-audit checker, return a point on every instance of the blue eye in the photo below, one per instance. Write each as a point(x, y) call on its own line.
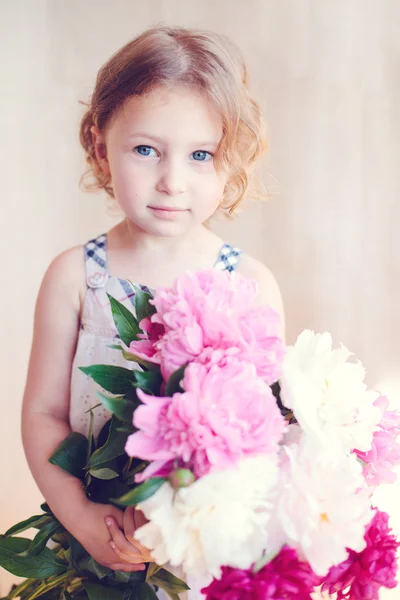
point(201, 156)
point(144, 150)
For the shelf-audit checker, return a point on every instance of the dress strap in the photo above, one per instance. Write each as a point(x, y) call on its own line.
point(228, 258)
point(96, 262)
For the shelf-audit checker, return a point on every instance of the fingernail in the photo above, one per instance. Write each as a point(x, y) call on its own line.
point(108, 522)
point(112, 544)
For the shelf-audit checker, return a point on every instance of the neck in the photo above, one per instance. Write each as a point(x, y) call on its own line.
point(135, 238)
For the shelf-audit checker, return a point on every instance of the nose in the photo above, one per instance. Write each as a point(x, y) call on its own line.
point(172, 180)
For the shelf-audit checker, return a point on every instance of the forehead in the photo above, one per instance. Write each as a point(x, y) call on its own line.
point(179, 112)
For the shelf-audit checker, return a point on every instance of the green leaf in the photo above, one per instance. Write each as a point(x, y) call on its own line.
point(141, 492)
point(152, 568)
point(174, 382)
point(129, 581)
point(143, 308)
point(113, 447)
point(62, 538)
point(126, 429)
point(36, 522)
point(14, 544)
point(115, 346)
point(46, 508)
point(116, 380)
point(120, 406)
point(125, 322)
point(40, 540)
point(97, 591)
point(150, 381)
point(45, 564)
point(121, 576)
point(144, 592)
point(168, 582)
point(87, 563)
point(76, 550)
point(129, 476)
point(102, 490)
point(70, 455)
point(103, 473)
point(145, 364)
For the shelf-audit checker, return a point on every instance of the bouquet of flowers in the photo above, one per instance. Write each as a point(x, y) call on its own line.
point(253, 463)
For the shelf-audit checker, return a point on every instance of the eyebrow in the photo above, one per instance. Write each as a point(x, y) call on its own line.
point(161, 141)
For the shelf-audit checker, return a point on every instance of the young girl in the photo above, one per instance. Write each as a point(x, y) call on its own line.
point(173, 135)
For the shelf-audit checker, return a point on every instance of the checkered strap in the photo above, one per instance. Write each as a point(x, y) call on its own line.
point(96, 262)
point(228, 258)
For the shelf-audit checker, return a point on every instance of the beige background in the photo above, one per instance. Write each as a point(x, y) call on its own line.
point(327, 73)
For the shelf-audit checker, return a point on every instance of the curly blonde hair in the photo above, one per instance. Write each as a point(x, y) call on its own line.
point(164, 55)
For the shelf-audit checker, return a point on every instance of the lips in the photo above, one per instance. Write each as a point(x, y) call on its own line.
point(168, 213)
point(168, 208)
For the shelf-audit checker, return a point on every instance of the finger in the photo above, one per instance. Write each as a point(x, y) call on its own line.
point(127, 568)
point(119, 541)
point(129, 522)
point(118, 515)
point(133, 519)
point(134, 559)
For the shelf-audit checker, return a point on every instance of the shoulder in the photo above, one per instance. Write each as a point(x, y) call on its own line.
point(65, 276)
point(270, 292)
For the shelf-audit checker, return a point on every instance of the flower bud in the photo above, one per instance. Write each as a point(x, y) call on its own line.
point(181, 478)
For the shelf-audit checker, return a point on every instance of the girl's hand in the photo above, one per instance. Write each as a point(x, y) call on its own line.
point(90, 530)
point(123, 543)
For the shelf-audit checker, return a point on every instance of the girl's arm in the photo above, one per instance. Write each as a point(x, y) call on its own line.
point(45, 413)
point(270, 293)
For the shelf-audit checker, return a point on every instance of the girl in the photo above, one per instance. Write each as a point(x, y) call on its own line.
point(173, 135)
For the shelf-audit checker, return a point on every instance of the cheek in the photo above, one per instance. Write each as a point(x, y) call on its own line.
point(130, 178)
point(213, 185)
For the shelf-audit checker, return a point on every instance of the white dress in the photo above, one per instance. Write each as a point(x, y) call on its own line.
point(97, 333)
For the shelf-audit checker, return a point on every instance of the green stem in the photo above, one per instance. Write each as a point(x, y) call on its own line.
point(22, 587)
point(128, 465)
point(48, 585)
point(74, 585)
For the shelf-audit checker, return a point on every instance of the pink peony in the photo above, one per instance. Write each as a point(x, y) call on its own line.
point(214, 311)
point(145, 347)
point(284, 578)
point(385, 451)
point(361, 576)
point(223, 414)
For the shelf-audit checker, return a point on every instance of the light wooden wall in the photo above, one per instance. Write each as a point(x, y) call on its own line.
point(327, 74)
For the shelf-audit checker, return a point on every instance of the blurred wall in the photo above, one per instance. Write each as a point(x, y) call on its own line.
point(327, 74)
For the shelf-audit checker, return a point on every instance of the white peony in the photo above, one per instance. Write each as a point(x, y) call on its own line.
point(322, 505)
point(219, 520)
point(327, 394)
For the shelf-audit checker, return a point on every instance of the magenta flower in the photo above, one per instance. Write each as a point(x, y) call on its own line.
point(224, 414)
point(361, 576)
point(213, 311)
point(385, 450)
point(284, 578)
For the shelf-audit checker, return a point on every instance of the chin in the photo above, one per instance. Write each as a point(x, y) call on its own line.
point(168, 229)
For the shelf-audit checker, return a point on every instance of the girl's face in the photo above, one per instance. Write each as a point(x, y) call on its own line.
point(159, 153)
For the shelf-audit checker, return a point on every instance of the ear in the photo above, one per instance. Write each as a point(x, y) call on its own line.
point(100, 149)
